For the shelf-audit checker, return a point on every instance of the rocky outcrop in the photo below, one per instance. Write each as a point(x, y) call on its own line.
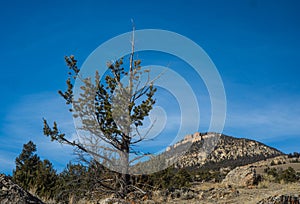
point(281, 199)
point(243, 176)
point(11, 193)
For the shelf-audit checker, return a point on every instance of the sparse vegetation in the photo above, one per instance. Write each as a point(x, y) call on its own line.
point(209, 175)
point(294, 155)
point(295, 161)
point(279, 175)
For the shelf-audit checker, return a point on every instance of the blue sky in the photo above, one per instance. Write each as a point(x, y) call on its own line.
point(254, 44)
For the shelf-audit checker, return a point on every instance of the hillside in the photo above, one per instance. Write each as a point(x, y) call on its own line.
point(227, 152)
point(210, 150)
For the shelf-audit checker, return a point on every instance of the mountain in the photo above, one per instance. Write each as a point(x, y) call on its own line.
point(216, 150)
point(209, 150)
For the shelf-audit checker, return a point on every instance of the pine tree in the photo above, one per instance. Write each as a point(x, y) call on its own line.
point(35, 175)
point(72, 183)
point(27, 165)
point(46, 180)
point(110, 111)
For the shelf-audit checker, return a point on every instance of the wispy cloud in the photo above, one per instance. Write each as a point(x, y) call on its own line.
point(24, 122)
point(269, 118)
point(6, 161)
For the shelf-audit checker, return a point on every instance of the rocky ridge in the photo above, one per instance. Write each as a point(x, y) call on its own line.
point(11, 193)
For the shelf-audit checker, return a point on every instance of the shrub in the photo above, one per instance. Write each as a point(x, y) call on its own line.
point(281, 176)
point(288, 175)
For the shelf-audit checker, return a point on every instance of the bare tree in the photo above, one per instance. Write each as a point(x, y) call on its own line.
point(111, 112)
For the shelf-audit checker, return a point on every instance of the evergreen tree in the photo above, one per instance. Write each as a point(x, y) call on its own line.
point(35, 175)
point(46, 180)
point(27, 166)
point(72, 183)
point(111, 111)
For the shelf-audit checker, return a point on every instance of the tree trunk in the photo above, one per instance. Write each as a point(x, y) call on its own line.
point(125, 182)
point(125, 177)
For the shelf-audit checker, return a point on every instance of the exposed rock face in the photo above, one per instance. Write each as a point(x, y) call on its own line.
point(11, 193)
point(215, 148)
point(241, 177)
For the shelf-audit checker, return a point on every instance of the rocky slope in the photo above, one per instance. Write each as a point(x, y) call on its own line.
point(215, 150)
point(11, 193)
point(210, 150)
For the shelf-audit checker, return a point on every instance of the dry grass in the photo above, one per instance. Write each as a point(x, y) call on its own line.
point(264, 184)
point(261, 165)
point(296, 166)
point(207, 185)
point(246, 195)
